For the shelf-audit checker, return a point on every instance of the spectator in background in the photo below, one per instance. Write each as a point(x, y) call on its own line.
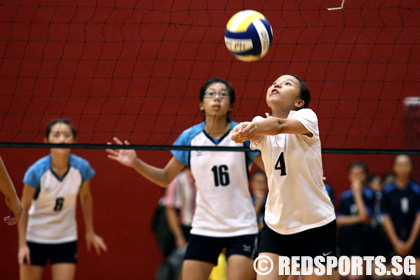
point(375, 184)
point(164, 237)
point(355, 209)
point(401, 211)
point(387, 179)
point(378, 237)
point(330, 192)
point(179, 205)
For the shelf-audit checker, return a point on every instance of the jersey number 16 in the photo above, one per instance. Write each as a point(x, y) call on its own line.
point(221, 175)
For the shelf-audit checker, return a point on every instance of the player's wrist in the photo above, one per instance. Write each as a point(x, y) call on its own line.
point(90, 232)
point(136, 163)
point(11, 197)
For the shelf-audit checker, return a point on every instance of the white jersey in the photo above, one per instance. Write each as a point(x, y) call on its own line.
point(52, 215)
point(223, 202)
point(297, 198)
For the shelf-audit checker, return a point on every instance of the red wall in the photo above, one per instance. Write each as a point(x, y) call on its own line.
point(133, 69)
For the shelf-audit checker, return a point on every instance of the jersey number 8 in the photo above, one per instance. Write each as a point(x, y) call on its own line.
point(59, 204)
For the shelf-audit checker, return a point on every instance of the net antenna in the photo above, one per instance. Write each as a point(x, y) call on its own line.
point(337, 8)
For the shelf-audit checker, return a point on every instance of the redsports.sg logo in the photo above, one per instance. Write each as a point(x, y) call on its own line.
point(325, 265)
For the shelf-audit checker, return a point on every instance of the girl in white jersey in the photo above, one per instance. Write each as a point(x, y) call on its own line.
point(224, 216)
point(299, 216)
point(48, 228)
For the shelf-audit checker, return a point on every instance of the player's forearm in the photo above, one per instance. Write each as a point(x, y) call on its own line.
point(347, 220)
point(361, 207)
point(156, 175)
point(23, 223)
point(389, 230)
point(6, 184)
point(274, 126)
point(258, 205)
point(86, 203)
point(415, 231)
point(269, 126)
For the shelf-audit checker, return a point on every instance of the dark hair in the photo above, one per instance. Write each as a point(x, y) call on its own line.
point(305, 94)
point(65, 121)
point(214, 80)
point(359, 164)
point(387, 176)
point(372, 177)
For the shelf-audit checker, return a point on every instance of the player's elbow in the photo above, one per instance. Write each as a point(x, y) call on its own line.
point(282, 127)
point(85, 196)
point(363, 217)
point(165, 179)
point(277, 127)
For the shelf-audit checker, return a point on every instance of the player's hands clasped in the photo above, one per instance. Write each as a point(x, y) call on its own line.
point(401, 248)
point(123, 156)
point(244, 132)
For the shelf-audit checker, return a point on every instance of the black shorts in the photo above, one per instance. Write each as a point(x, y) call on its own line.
point(320, 241)
point(379, 244)
point(56, 253)
point(208, 249)
point(354, 240)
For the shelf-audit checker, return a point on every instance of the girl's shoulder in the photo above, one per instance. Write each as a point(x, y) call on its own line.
point(36, 171)
point(78, 162)
point(43, 163)
point(83, 166)
point(191, 132)
point(305, 112)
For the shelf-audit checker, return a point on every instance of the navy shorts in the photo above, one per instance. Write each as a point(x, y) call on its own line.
point(320, 241)
point(56, 253)
point(208, 249)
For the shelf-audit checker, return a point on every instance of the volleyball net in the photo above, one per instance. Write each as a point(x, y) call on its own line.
point(133, 69)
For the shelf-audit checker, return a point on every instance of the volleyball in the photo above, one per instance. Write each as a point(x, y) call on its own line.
point(248, 35)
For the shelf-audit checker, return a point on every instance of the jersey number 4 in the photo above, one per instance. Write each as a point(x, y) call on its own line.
point(221, 175)
point(281, 165)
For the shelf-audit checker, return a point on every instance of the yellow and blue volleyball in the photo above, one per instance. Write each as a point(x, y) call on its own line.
point(248, 35)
